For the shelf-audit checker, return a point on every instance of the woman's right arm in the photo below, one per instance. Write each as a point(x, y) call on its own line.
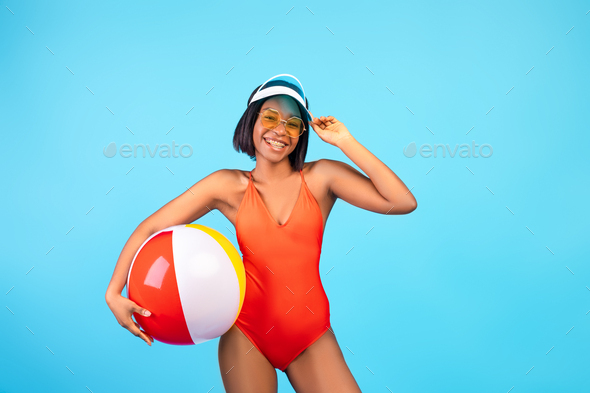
point(204, 196)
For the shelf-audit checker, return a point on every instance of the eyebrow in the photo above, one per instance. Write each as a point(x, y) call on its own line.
point(270, 107)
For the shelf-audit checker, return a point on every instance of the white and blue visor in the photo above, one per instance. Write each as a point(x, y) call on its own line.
point(283, 84)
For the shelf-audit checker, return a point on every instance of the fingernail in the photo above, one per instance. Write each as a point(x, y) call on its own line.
point(147, 313)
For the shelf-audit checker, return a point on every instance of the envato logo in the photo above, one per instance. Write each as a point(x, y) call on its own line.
point(465, 150)
point(165, 150)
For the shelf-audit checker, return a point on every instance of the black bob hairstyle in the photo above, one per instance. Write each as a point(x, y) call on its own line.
point(243, 135)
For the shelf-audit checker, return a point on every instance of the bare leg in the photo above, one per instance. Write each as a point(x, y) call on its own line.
point(243, 368)
point(322, 368)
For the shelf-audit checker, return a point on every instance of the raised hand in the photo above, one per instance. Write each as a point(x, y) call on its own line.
point(329, 129)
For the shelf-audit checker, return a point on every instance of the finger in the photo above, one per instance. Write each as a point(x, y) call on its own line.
point(143, 335)
point(134, 329)
point(145, 338)
point(143, 331)
point(142, 311)
point(139, 333)
point(148, 336)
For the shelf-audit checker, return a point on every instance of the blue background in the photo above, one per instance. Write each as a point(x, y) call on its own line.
point(468, 293)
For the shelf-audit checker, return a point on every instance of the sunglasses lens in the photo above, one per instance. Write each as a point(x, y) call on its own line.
point(270, 119)
point(294, 127)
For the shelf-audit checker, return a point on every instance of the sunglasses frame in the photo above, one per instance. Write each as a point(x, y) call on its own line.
point(284, 121)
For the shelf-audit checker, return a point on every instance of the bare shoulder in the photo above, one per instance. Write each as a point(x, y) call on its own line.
point(317, 167)
point(229, 177)
point(231, 185)
point(311, 171)
point(318, 176)
point(336, 175)
point(235, 178)
point(325, 170)
point(325, 166)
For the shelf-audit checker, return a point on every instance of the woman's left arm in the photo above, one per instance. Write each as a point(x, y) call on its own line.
point(382, 192)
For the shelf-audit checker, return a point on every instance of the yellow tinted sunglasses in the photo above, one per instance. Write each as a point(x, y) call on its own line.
point(271, 118)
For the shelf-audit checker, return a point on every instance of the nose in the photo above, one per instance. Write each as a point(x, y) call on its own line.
point(276, 129)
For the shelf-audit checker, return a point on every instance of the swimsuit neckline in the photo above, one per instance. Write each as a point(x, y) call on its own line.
point(250, 181)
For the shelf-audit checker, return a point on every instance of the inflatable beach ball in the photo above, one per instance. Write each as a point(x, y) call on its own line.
point(192, 279)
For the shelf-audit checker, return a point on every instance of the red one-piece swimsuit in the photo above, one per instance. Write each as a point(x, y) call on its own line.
point(285, 308)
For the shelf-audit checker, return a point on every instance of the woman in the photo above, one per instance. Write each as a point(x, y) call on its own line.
point(279, 210)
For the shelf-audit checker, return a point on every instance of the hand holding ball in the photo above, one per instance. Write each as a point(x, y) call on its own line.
point(193, 281)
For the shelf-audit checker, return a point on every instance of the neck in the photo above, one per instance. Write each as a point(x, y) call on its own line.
point(270, 172)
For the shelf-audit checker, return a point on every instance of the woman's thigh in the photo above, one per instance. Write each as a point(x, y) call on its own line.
point(243, 368)
point(322, 368)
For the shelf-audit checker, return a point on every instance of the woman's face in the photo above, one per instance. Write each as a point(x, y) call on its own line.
point(287, 108)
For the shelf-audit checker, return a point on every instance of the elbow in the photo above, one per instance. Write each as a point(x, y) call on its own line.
point(107, 297)
point(408, 209)
point(403, 208)
point(412, 204)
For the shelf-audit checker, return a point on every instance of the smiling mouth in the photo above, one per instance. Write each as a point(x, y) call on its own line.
point(276, 145)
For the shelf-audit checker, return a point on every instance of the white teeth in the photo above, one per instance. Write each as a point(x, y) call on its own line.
point(273, 143)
